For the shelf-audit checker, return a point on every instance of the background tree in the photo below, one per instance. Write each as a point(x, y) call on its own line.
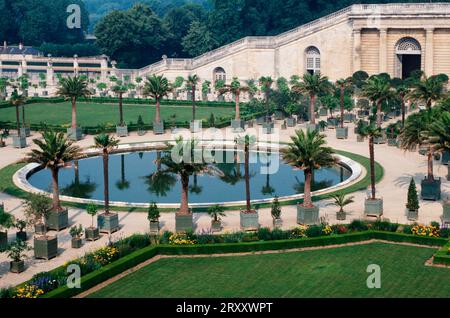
point(119, 89)
point(343, 84)
point(236, 89)
point(428, 89)
point(192, 82)
point(199, 39)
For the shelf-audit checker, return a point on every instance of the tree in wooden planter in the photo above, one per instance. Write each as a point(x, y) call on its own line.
point(378, 89)
point(119, 89)
point(417, 134)
point(307, 152)
point(153, 216)
point(275, 212)
point(439, 137)
point(76, 232)
point(343, 86)
point(92, 233)
point(191, 84)
point(413, 202)
point(16, 252)
point(236, 89)
point(3, 135)
point(19, 140)
point(6, 222)
point(73, 88)
point(21, 226)
point(372, 205)
point(53, 152)
point(157, 87)
point(341, 201)
point(266, 83)
point(216, 212)
point(107, 222)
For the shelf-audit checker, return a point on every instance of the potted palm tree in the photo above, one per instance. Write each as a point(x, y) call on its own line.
point(107, 222)
point(341, 201)
point(19, 140)
point(3, 135)
point(290, 109)
point(236, 89)
point(216, 212)
point(359, 130)
point(440, 138)
point(21, 226)
point(413, 202)
point(185, 167)
point(266, 83)
point(157, 87)
point(15, 252)
point(249, 218)
point(74, 88)
point(53, 152)
point(275, 211)
point(416, 134)
point(343, 84)
point(76, 232)
point(191, 83)
point(307, 152)
point(37, 209)
point(313, 85)
point(6, 222)
point(372, 206)
point(92, 233)
point(119, 89)
point(153, 216)
point(378, 89)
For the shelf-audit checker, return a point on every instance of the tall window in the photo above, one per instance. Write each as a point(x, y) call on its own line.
point(312, 58)
point(219, 74)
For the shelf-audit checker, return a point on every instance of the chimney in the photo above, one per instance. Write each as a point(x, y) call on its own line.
point(20, 46)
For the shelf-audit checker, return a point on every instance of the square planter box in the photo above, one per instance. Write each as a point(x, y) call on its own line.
point(323, 112)
point(122, 131)
point(75, 134)
point(249, 220)
point(17, 267)
point(260, 120)
point(413, 215)
point(57, 220)
point(373, 207)
point(445, 157)
point(91, 234)
point(431, 190)
point(279, 115)
point(332, 122)
point(46, 248)
point(21, 236)
point(183, 222)
point(40, 229)
point(341, 216)
point(195, 126)
point(216, 226)
point(392, 142)
point(349, 117)
point(19, 142)
point(77, 243)
point(108, 223)
point(277, 223)
point(341, 133)
point(154, 227)
point(311, 127)
point(446, 211)
point(359, 138)
point(3, 240)
point(25, 131)
point(268, 128)
point(238, 125)
point(290, 122)
point(158, 128)
point(307, 215)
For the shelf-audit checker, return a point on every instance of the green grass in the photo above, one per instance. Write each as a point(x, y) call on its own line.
point(337, 272)
point(92, 114)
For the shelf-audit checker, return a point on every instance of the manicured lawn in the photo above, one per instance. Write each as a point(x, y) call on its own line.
point(91, 114)
point(337, 272)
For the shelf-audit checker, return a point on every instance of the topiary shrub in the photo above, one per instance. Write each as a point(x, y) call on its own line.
point(314, 231)
point(413, 199)
point(358, 225)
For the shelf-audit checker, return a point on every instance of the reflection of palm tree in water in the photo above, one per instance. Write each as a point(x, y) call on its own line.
point(267, 189)
point(123, 183)
point(79, 189)
point(299, 187)
point(195, 188)
point(160, 183)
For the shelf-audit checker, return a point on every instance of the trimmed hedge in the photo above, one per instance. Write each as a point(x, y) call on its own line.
point(94, 278)
point(442, 257)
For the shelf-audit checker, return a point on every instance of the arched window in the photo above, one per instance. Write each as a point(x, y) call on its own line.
point(408, 46)
point(219, 74)
point(312, 58)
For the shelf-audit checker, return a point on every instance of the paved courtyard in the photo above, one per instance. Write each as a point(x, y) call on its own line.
point(399, 167)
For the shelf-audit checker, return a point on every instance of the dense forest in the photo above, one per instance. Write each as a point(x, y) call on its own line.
point(139, 32)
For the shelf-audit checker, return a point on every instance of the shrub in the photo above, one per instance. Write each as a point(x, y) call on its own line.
point(384, 226)
point(413, 200)
point(314, 231)
point(445, 232)
point(357, 226)
point(236, 237)
point(164, 239)
point(278, 234)
point(264, 234)
point(76, 231)
point(298, 232)
point(153, 213)
point(6, 292)
point(276, 209)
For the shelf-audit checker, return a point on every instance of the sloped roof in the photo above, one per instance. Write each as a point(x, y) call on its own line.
point(27, 50)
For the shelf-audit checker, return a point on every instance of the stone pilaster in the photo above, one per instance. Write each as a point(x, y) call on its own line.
point(50, 73)
point(383, 51)
point(429, 51)
point(356, 50)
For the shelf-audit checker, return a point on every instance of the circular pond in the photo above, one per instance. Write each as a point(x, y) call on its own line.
point(132, 181)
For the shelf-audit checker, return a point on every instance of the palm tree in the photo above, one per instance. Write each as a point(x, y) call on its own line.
point(184, 168)
point(307, 152)
point(120, 88)
point(402, 90)
point(343, 84)
point(429, 89)
point(341, 200)
point(106, 144)
point(247, 141)
point(313, 85)
point(266, 85)
point(440, 133)
point(378, 89)
point(73, 88)
point(371, 132)
point(192, 82)
point(236, 89)
point(17, 100)
point(53, 152)
point(157, 87)
point(123, 183)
